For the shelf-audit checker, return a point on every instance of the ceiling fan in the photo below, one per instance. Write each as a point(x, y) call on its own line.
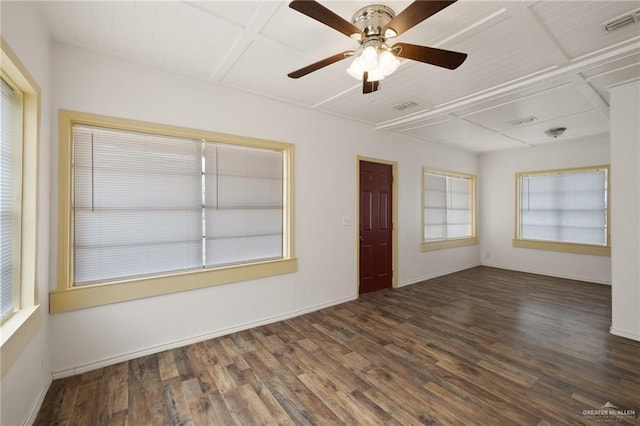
point(371, 26)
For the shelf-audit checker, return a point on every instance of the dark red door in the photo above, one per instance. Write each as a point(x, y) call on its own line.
point(375, 226)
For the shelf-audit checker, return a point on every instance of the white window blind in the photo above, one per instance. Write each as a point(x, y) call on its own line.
point(447, 207)
point(244, 204)
point(565, 207)
point(151, 205)
point(8, 204)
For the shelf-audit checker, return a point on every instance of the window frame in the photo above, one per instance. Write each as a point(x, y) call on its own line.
point(69, 297)
point(18, 329)
point(446, 243)
point(567, 247)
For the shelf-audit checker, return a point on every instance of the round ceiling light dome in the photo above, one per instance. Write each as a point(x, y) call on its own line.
point(555, 131)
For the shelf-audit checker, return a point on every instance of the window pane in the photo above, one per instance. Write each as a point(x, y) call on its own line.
point(137, 204)
point(244, 205)
point(7, 305)
point(564, 207)
point(447, 207)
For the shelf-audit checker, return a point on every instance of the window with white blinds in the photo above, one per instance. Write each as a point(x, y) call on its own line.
point(10, 172)
point(448, 206)
point(567, 206)
point(147, 204)
point(20, 313)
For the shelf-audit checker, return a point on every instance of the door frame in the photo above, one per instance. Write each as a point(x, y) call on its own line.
point(394, 221)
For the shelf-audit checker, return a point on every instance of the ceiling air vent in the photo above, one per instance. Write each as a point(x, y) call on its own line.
point(622, 21)
point(405, 105)
point(524, 120)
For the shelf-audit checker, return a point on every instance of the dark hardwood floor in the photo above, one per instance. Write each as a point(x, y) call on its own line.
point(483, 346)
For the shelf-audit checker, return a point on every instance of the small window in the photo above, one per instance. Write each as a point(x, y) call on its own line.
point(563, 210)
point(449, 210)
point(160, 209)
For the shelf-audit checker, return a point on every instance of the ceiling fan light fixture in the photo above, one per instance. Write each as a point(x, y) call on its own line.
point(390, 33)
point(355, 70)
point(388, 62)
point(378, 60)
point(369, 58)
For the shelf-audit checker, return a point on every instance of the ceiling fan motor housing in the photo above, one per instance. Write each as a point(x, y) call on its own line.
point(372, 19)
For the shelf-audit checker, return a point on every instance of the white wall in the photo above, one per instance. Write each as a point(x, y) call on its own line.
point(23, 386)
point(326, 148)
point(497, 209)
point(625, 199)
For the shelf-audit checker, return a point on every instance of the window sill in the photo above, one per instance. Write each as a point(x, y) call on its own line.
point(563, 247)
point(446, 244)
point(16, 333)
point(103, 294)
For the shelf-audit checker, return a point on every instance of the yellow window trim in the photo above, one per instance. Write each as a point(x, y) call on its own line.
point(432, 245)
point(18, 330)
point(114, 292)
point(563, 247)
point(69, 297)
point(450, 243)
point(592, 249)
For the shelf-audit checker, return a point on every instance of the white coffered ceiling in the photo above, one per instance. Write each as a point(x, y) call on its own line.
point(546, 59)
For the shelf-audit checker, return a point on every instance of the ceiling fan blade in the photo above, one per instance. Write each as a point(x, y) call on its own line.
point(320, 64)
point(369, 86)
point(320, 13)
point(415, 13)
point(430, 55)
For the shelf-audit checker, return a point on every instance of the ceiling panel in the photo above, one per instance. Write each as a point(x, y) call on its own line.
point(375, 107)
point(311, 38)
point(171, 35)
point(583, 124)
point(264, 67)
point(546, 105)
point(240, 12)
point(454, 22)
point(198, 41)
point(576, 24)
point(462, 134)
point(81, 23)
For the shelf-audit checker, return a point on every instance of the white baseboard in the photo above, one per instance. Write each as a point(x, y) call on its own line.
point(438, 274)
point(625, 334)
point(545, 273)
point(190, 340)
point(31, 418)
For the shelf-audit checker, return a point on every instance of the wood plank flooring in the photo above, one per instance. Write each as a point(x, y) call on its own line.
point(482, 346)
